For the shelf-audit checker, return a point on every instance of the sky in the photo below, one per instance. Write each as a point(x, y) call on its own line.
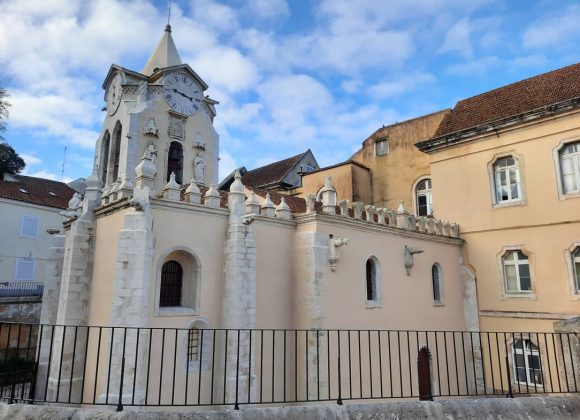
point(289, 74)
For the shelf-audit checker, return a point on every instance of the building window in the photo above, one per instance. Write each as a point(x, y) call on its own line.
point(193, 342)
point(171, 284)
point(576, 269)
point(24, 270)
point(527, 363)
point(114, 153)
point(371, 280)
point(436, 282)
point(570, 168)
point(28, 226)
point(516, 270)
point(175, 162)
point(507, 180)
point(105, 156)
point(424, 198)
point(382, 147)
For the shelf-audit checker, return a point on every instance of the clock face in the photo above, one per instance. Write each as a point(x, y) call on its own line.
point(114, 94)
point(182, 93)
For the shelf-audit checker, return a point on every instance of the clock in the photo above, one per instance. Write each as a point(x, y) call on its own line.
point(182, 93)
point(114, 94)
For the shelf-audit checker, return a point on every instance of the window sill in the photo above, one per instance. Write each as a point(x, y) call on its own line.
point(569, 196)
point(503, 204)
point(519, 295)
point(374, 304)
point(176, 311)
point(436, 303)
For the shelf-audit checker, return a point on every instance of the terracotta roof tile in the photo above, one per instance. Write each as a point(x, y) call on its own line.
point(515, 99)
point(269, 174)
point(38, 191)
point(296, 204)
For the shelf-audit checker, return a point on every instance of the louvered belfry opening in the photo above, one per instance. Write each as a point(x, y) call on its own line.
point(171, 284)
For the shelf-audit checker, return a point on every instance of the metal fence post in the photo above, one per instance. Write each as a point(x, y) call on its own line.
point(509, 379)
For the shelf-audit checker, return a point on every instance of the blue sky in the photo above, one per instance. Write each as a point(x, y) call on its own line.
point(290, 74)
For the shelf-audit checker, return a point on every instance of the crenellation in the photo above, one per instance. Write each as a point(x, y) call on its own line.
point(358, 209)
point(268, 209)
point(212, 197)
point(343, 205)
point(172, 190)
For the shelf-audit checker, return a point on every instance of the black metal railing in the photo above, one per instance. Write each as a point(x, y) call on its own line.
point(21, 289)
point(124, 366)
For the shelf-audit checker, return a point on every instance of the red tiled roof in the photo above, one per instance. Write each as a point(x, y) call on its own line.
point(512, 100)
point(296, 204)
point(269, 174)
point(37, 191)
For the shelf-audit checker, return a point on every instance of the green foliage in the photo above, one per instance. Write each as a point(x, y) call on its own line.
point(16, 371)
point(10, 162)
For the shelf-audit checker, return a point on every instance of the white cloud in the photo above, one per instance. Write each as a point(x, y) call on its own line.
point(215, 15)
point(49, 175)
point(457, 39)
point(226, 68)
point(404, 84)
point(267, 9)
point(227, 165)
point(30, 160)
point(556, 31)
point(472, 68)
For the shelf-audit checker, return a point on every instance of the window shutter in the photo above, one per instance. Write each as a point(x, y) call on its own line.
point(29, 226)
point(24, 269)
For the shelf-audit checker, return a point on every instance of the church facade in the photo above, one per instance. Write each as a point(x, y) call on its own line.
point(154, 244)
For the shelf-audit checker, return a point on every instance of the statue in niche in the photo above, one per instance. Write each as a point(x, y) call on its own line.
point(199, 168)
point(176, 129)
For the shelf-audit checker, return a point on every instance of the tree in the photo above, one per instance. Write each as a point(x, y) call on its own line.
point(10, 162)
point(4, 106)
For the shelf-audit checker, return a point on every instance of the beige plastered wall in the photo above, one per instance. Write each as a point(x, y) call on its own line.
point(13, 245)
point(545, 224)
point(395, 174)
point(405, 302)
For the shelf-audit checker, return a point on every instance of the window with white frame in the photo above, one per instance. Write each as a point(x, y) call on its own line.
point(527, 363)
point(24, 269)
point(371, 280)
point(436, 282)
point(576, 269)
point(424, 200)
point(516, 271)
point(507, 180)
point(382, 147)
point(28, 226)
point(570, 167)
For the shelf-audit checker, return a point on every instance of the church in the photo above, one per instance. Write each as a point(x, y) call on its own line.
point(154, 244)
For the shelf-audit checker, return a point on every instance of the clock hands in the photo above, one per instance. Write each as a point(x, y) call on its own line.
point(182, 94)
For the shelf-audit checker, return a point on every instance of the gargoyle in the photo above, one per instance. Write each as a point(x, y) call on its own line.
point(333, 256)
point(409, 261)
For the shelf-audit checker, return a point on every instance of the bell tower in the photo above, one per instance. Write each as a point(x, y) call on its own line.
point(159, 116)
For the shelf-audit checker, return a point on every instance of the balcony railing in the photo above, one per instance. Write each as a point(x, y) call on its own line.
point(21, 289)
point(158, 367)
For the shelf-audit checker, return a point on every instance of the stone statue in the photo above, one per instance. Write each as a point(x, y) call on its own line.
point(199, 168)
point(74, 206)
point(409, 261)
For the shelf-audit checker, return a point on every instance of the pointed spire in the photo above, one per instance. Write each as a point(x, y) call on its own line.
point(164, 55)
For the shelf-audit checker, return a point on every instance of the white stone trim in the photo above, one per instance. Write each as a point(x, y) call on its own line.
point(525, 315)
point(159, 203)
point(206, 351)
point(491, 176)
point(414, 190)
point(574, 294)
point(378, 302)
point(191, 273)
point(556, 159)
point(363, 225)
point(531, 263)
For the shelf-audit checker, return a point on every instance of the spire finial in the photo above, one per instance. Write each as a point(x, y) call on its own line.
point(168, 26)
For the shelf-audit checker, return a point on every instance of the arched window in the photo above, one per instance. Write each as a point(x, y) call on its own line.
point(436, 282)
point(527, 362)
point(371, 277)
point(171, 284)
point(105, 156)
point(424, 198)
point(113, 170)
point(516, 271)
point(570, 167)
point(175, 161)
point(576, 269)
point(507, 180)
